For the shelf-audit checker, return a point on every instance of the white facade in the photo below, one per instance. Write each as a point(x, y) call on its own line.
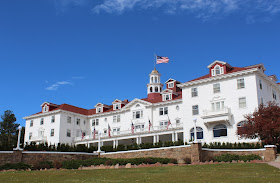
point(217, 102)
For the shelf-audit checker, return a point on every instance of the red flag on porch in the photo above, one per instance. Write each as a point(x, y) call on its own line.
point(169, 123)
point(132, 128)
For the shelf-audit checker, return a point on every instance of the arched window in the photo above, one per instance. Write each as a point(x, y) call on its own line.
point(241, 125)
point(152, 79)
point(138, 105)
point(220, 130)
point(155, 79)
point(156, 89)
point(199, 133)
point(151, 89)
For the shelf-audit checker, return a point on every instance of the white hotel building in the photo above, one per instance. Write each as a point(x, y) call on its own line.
point(216, 103)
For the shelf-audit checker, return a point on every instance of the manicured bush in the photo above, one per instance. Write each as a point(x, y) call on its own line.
point(57, 164)
point(218, 145)
point(43, 165)
point(72, 164)
point(187, 160)
point(235, 157)
point(16, 166)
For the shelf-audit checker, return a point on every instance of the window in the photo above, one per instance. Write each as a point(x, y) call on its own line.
point(163, 111)
point(105, 119)
point(116, 130)
point(156, 89)
point(170, 85)
point(137, 114)
point(117, 118)
point(31, 123)
point(240, 83)
point(95, 122)
point(274, 95)
point(195, 110)
point(151, 89)
point(105, 131)
point(152, 79)
point(262, 101)
point(78, 133)
point(78, 122)
point(117, 106)
point(53, 119)
point(194, 92)
point(260, 82)
point(45, 109)
point(68, 119)
point(52, 132)
point(84, 122)
point(155, 79)
point(163, 124)
point(42, 121)
point(242, 102)
point(178, 122)
point(177, 107)
point(68, 133)
point(220, 130)
point(99, 109)
point(217, 106)
point(217, 70)
point(30, 136)
point(199, 133)
point(167, 97)
point(141, 127)
point(216, 88)
point(240, 125)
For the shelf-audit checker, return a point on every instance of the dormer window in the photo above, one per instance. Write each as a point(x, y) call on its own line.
point(170, 85)
point(117, 106)
point(98, 109)
point(218, 70)
point(167, 97)
point(45, 108)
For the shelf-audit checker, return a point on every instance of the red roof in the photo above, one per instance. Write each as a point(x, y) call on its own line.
point(235, 69)
point(159, 98)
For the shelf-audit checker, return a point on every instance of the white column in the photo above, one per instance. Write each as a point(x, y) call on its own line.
point(117, 143)
point(114, 143)
point(99, 142)
point(173, 138)
point(140, 140)
point(155, 139)
point(176, 136)
point(137, 140)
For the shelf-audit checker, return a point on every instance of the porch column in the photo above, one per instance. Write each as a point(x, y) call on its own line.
point(173, 137)
point(140, 140)
point(114, 143)
point(176, 136)
point(117, 143)
point(137, 140)
point(157, 138)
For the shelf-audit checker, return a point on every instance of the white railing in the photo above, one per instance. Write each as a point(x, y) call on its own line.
point(216, 112)
point(129, 132)
point(38, 138)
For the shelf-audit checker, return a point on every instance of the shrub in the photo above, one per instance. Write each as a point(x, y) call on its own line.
point(72, 164)
point(43, 165)
point(187, 160)
point(16, 166)
point(234, 157)
point(108, 162)
point(57, 164)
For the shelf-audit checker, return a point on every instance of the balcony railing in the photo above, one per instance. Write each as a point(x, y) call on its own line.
point(145, 130)
point(39, 139)
point(217, 112)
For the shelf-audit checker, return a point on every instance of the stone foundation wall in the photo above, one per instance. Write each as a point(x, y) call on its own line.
point(178, 153)
point(33, 157)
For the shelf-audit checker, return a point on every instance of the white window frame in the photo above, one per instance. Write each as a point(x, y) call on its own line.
point(242, 102)
point(217, 106)
point(68, 133)
point(221, 70)
point(194, 92)
point(216, 88)
point(42, 121)
point(240, 83)
point(195, 111)
point(78, 121)
point(167, 97)
point(139, 113)
point(52, 132)
point(30, 135)
point(99, 109)
point(274, 96)
point(69, 119)
point(260, 84)
point(53, 119)
point(171, 85)
point(31, 123)
point(117, 130)
point(116, 106)
point(163, 111)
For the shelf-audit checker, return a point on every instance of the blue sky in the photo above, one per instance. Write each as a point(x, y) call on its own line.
point(82, 52)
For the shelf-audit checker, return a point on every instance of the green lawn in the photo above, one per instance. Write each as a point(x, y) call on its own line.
point(246, 172)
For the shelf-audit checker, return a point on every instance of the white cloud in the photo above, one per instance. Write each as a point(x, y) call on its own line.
point(199, 8)
point(55, 86)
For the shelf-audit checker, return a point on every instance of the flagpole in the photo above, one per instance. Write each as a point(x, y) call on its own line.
point(154, 61)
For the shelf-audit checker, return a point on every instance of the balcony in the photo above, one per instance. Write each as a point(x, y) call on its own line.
point(217, 116)
point(139, 131)
point(39, 139)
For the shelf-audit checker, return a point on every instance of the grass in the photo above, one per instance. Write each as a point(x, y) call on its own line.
point(245, 172)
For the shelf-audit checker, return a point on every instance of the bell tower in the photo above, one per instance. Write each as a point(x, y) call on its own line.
point(154, 88)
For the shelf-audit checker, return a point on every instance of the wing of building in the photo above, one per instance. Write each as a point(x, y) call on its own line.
point(215, 104)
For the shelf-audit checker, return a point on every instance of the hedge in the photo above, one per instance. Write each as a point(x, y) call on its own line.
point(75, 164)
point(235, 157)
point(218, 145)
point(16, 166)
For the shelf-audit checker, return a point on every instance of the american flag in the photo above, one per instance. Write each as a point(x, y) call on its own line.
point(109, 130)
point(162, 59)
point(150, 125)
point(169, 123)
point(83, 135)
point(94, 133)
point(132, 128)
